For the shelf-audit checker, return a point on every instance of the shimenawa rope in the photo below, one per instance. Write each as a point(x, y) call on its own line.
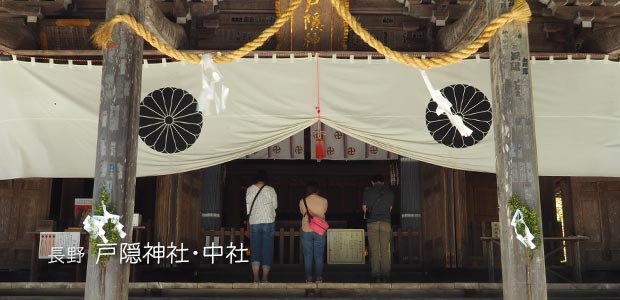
point(520, 12)
point(103, 36)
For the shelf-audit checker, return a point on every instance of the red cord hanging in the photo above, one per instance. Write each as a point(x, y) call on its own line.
point(318, 134)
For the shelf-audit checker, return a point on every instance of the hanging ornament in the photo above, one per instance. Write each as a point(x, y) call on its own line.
point(320, 144)
point(526, 240)
point(214, 93)
point(319, 133)
point(94, 225)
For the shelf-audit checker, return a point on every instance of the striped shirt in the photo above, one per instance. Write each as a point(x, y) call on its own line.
point(264, 210)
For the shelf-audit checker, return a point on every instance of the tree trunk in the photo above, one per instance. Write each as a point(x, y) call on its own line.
point(516, 157)
point(117, 143)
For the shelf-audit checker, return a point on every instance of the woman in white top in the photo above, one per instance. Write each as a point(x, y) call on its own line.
point(261, 203)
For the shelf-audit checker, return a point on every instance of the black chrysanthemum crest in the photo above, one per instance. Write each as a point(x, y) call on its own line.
point(169, 122)
point(469, 103)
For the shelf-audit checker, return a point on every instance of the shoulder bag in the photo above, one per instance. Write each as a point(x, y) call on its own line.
point(317, 224)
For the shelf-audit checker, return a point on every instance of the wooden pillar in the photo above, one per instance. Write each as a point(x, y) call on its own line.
point(516, 159)
point(117, 143)
point(177, 210)
point(212, 197)
point(410, 194)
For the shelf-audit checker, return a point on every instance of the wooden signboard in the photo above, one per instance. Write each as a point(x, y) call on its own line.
point(64, 240)
point(495, 229)
point(346, 246)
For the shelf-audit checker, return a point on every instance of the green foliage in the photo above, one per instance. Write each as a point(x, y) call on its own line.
point(110, 230)
point(529, 217)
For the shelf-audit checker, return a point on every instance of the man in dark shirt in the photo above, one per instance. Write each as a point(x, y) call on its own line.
point(378, 201)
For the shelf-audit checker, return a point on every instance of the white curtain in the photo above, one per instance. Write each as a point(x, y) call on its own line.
point(48, 113)
point(290, 148)
point(339, 146)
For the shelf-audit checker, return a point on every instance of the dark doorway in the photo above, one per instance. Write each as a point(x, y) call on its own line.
point(341, 182)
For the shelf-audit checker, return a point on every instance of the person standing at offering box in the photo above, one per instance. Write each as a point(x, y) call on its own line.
point(377, 206)
point(261, 204)
point(313, 243)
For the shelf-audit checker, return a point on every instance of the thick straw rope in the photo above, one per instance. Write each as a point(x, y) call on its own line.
point(103, 36)
point(520, 12)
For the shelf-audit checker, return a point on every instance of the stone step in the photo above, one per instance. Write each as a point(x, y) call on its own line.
point(180, 290)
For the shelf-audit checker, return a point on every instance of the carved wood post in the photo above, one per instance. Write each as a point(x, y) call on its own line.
point(117, 143)
point(516, 157)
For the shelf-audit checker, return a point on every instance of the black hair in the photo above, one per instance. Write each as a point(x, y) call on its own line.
point(261, 175)
point(377, 178)
point(312, 187)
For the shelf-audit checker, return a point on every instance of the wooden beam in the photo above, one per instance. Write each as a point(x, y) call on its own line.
point(601, 14)
point(464, 31)
point(606, 40)
point(516, 157)
point(425, 11)
point(15, 35)
point(61, 55)
point(180, 8)
point(117, 145)
point(33, 8)
point(155, 21)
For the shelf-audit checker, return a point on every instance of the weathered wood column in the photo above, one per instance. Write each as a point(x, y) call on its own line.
point(410, 206)
point(117, 143)
point(516, 157)
point(212, 197)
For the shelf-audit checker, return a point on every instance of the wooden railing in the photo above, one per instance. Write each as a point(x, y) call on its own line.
point(571, 242)
point(406, 245)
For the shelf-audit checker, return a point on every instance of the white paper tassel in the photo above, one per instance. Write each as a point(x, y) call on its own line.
point(444, 107)
point(528, 238)
point(212, 82)
point(94, 225)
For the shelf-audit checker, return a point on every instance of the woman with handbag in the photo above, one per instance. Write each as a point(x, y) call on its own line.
point(261, 203)
point(313, 208)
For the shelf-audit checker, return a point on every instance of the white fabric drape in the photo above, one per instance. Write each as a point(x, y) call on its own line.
point(48, 115)
point(290, 148)
point(339, 146)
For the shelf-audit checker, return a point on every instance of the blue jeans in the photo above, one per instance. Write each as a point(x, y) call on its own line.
point(314, 248)
point(261, 243)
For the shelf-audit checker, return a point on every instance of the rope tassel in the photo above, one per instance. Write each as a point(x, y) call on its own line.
point(320, 143)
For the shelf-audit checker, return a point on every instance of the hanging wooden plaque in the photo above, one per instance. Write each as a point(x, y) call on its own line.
point(314, 26)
